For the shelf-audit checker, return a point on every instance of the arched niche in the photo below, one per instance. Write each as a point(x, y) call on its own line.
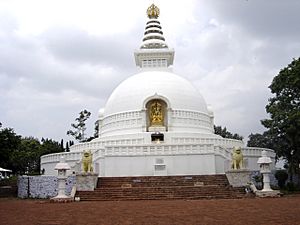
point(156, 115)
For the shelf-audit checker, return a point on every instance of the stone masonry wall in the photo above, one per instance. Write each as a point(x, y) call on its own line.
point(42, 186)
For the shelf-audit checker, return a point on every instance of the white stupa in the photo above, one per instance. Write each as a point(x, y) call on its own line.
point(156, 123)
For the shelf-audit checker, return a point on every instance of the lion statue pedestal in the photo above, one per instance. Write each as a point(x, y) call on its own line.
point(238, 176)
point(87, 179)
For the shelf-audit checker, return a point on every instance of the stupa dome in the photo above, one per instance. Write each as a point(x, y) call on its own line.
point(132, 94)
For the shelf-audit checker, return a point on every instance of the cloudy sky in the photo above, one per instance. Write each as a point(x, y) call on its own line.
point(58, 57)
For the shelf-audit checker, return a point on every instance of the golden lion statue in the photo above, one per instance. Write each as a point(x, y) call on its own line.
point(87, 160)
point(237, 158)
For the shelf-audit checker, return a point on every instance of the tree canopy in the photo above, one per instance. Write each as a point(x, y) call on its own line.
point(22, 154)
point(9, 143)
point(79, 127)
point(223, 132)
point(284, 111)
point(264, 140)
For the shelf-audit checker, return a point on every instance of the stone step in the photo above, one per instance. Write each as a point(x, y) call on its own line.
point(160, 193)
point(163, 181)
point(162, 187)
point(159, 197)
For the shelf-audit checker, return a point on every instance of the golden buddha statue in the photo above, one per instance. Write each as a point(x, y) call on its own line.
point(156, 114)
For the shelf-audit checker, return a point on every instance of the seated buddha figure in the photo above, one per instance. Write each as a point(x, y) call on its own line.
point(156, 114)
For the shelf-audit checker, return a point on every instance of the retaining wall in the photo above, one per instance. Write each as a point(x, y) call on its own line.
point(42, 186)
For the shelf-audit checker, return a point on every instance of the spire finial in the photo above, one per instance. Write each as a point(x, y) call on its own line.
point(153, 12)
point(154, 53)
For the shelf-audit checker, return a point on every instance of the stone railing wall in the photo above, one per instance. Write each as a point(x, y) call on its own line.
point(55, 157)
point(69, 156)
point(42, 186)
point(86, 146)
point(121, 140)
point(159, 149)
point(256, 152)
point(250, 155)
point(225, 142)
point(163, 149)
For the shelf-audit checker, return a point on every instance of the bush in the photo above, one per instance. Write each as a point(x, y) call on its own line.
point(281, 176)
point(11, 181)
point(290, 186)
point(258, 178)
point(257, 181)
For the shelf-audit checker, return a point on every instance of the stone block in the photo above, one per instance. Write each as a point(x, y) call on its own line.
point(238, 178)
point(268, 194)
point(86, 181)
point(199, 184)
point(126, 186)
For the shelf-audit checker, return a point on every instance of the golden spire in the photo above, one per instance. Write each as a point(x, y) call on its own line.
point(153, 12)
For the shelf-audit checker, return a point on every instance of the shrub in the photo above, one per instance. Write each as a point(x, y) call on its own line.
point(281, 176)
point(258, 178)
point(11, 181)
point(291, 187)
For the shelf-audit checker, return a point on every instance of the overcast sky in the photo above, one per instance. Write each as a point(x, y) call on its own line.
point(58, 57)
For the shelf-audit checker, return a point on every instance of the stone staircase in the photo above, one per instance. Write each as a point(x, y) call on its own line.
point(162, 187)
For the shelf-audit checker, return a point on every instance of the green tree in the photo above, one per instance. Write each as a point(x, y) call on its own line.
point(9, 143)
point(62, 145)
point(50, 146)
point(26, 159)
point(79, 128)
point(284, 111)
point(67, 147)
point(281, 176)
point(96, 129)
point(22, 155)
point(223, 132)
point(264, 140)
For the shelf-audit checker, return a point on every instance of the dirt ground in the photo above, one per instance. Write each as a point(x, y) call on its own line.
point(284, 211)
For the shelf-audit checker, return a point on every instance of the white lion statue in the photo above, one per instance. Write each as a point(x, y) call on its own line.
point(237, 158)
point(87, 161)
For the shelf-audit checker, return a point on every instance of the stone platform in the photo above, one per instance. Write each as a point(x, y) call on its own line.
point(238, 178)
point(86, 181)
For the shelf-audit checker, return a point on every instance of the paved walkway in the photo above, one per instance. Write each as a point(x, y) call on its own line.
point(283, 211)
